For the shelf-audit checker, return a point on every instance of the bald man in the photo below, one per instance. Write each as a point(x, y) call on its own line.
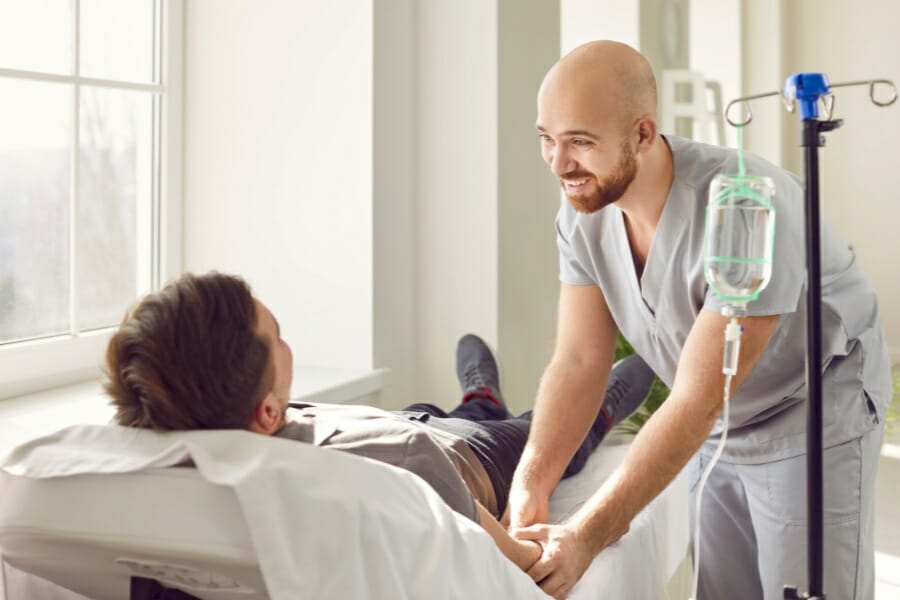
point(630, 237)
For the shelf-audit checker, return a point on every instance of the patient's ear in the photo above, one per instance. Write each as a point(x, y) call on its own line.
point(267, 416)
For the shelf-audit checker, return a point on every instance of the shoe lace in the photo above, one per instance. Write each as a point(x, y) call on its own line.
point(472, 377)
point(614, 395)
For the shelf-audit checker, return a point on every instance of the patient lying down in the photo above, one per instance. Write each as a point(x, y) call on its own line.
point(203, 353)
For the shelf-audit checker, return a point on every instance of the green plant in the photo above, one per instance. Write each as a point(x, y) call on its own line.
point(893, 411)
point(658, 394)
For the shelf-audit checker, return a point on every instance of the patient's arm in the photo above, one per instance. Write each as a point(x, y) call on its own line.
point(523, 553)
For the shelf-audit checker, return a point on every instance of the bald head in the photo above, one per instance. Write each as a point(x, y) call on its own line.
point(597, 124)
point(612, 78)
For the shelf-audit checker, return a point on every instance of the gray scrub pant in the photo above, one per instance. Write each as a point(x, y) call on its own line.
point(753, 525)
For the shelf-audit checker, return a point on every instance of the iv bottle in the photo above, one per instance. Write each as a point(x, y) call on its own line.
point(740, 234)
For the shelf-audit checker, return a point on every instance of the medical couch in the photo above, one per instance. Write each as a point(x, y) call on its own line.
point(112, 513)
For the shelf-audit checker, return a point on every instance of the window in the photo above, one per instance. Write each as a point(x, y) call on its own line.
point(89, 188)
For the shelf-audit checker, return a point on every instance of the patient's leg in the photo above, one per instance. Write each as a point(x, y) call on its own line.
point(474, 409)
point(498, 442)
point(501, 442)
point(629, 384)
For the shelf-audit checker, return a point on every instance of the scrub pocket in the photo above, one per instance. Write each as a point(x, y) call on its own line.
point(783, 528)
point(842, 465)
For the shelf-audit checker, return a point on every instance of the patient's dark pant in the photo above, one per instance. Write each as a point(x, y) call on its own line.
point(497, 439)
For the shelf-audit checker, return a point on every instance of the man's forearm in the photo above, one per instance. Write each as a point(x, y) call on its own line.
point(568, 401)
point(662, 448)
point(675, 432)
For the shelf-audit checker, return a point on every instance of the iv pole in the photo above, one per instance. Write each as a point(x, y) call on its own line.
point(808, 89)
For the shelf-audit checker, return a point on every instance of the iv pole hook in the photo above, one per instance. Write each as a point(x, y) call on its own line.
point(829, 106)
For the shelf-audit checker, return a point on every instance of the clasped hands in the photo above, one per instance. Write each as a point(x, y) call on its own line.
point(565, 554)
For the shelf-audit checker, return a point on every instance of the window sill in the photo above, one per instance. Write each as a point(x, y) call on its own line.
point(27, 417)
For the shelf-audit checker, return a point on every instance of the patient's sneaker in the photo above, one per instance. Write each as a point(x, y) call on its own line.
point(629, 384)
point(477, 371)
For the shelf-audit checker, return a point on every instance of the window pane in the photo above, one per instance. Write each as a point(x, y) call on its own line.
point(115, 169)
point(117, 39)
point(35, 151)
point(36, 35)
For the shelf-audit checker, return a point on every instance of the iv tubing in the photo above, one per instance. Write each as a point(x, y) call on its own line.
point(729, 368)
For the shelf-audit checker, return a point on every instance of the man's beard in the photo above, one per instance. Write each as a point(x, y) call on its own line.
point(610, 189)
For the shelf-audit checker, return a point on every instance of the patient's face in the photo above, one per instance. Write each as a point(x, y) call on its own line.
point(282, 358)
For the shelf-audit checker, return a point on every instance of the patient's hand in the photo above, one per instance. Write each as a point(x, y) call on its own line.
point(565, 557)
point(504, 518)
point(530, 553)
point(524, 553)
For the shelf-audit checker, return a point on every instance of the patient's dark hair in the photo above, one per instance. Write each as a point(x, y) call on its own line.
point(188, 357)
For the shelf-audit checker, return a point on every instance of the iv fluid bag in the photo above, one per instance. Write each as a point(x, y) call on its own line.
point(740, 233)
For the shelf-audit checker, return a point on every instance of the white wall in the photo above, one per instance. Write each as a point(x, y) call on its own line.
point(278, 163)
point(859, 183)
point(762, 32)
point(857, 166)
point(368, 167)
point(528, 200)
point(717, 24)
point(456, 186)
point(585, 20)
point(485, 203)
point(345, 158)
point(395, 207)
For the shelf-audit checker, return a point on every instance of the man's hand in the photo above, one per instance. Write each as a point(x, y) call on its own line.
point(526, 507)
point(565, 558)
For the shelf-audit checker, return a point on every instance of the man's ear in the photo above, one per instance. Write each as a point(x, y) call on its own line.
point(267, 415)
point(645, 127)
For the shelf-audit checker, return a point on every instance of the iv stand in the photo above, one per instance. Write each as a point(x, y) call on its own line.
point(808, 89)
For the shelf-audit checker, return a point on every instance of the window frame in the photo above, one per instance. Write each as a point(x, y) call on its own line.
point(38, 364)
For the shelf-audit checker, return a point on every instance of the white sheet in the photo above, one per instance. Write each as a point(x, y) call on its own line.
point(641, 563)
point(379, 532)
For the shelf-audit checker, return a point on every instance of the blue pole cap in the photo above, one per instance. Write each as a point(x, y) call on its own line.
point(806, 89)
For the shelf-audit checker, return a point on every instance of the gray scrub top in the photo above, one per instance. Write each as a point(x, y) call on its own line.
point(656, 312)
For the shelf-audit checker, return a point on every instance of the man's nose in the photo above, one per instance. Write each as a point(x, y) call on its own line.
point(561, 162)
